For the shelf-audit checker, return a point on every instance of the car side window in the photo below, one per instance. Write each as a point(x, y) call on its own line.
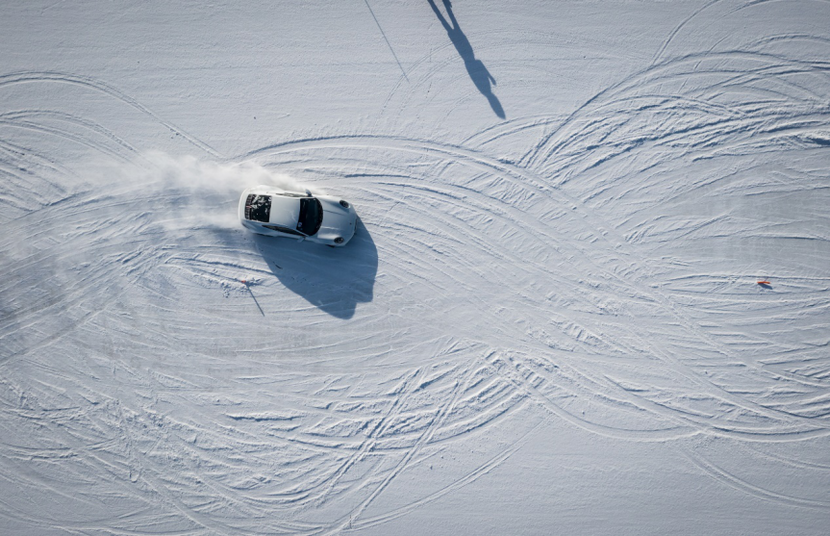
point(281, 229)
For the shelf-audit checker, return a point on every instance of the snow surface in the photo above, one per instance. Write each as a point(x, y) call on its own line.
point(546, 324)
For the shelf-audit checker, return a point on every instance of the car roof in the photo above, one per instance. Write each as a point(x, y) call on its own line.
point(285, 210)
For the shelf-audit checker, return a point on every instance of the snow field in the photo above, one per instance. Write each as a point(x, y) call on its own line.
point(544, 323)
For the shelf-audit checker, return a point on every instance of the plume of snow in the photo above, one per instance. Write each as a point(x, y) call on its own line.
point(182, 192)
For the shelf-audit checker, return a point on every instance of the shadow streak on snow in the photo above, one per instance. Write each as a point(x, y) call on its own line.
point(479, 74)
point(333, 279)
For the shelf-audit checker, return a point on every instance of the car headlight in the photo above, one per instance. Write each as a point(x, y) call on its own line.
point(338, 240)
point(344, 204)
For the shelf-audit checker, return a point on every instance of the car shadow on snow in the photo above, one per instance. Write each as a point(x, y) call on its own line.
point(333, 279)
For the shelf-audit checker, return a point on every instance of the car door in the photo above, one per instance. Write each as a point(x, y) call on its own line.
point(284, 232)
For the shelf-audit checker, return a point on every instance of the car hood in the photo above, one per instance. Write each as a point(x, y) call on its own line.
point(337, 221)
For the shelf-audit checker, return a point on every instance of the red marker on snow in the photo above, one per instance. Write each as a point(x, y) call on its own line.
point(764, 283)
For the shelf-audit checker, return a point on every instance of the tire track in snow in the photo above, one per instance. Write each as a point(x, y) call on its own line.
point(369, 442)
point(682, 372)
point(58, 77)
point(24, 119)
point(774, 132)
point(679, 27)
point(401, 466)
point(427, 192)
point(460, 483)
point(432, 253)
point(741, 485)
point(23, 168)
point(611, 102)
point(653, 293)
point(92, 286)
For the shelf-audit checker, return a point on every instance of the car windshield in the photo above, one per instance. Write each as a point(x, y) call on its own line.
point(311, 216)
point(258, 207)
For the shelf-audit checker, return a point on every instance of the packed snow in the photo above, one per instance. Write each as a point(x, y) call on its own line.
point(549, 320)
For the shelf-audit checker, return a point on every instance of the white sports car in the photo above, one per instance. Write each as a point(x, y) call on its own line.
point(271, 211)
